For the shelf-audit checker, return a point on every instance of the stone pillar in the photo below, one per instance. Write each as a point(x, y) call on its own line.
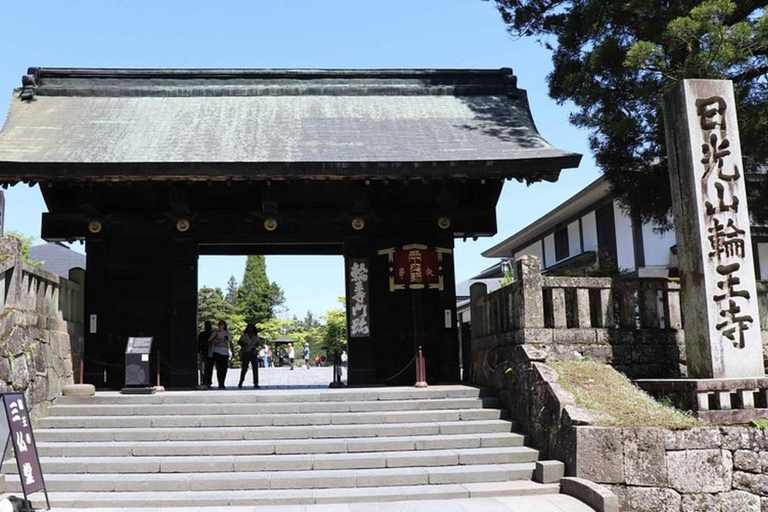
point(476, 292)
point(530, 298)
point(721, 319)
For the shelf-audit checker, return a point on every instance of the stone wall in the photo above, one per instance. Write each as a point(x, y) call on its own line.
point(704, 469)
point(36, 355)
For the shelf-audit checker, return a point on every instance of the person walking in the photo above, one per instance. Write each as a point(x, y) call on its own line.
point(204, 361)
point(249, 342)
point(220, 344)
point(291, 355)
point(265, 350)
point(306, 355)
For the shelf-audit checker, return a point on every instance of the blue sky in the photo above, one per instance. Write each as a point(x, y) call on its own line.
point(282, 34)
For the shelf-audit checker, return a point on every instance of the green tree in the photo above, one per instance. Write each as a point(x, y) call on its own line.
point(26, 244)
point(212, 306)
point(335, 332)
point(257, 297)
point(615, 60)
point(232, 288)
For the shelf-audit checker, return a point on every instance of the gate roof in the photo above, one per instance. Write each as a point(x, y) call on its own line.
point(115, 124)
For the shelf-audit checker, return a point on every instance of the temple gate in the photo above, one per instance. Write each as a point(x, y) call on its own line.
point(153, 168)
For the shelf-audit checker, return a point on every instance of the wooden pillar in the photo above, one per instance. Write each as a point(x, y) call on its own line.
point(97, 304)
point(179, 364)
point(361, 350)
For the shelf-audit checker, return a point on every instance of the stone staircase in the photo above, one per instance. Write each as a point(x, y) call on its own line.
point(279, 447)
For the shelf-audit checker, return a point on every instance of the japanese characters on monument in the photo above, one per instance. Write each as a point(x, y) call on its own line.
point(359, 314)
point(20, 427)
point(722, 328)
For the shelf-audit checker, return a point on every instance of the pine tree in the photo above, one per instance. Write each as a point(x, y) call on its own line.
point(211, 306)
point(616, 60)
point(257, 297)
point(232, 289)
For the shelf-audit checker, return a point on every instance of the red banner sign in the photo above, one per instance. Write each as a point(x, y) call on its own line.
point(416, 266)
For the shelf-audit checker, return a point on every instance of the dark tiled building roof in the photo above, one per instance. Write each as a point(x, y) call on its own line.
point(57, 258)
point(169, 123)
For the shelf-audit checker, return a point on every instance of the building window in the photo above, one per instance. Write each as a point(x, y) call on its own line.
point(561, 244)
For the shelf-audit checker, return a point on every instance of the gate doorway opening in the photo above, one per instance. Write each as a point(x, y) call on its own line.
point(296, 303)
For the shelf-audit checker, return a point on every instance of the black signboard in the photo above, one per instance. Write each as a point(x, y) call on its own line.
point(19, 428)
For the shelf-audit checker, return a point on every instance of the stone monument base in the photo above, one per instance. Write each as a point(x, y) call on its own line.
point(718, 401)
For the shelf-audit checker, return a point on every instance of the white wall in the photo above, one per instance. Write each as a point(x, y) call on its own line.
point(625, 246)
point(549, 251)
point(574, 244)
point(656, 246)
point(533, 249)
point(762, 255)
point(589, 230)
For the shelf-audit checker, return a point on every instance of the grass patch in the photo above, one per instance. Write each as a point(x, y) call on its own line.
point(601, 388)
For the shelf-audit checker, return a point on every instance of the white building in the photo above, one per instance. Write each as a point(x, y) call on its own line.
point(592, 221)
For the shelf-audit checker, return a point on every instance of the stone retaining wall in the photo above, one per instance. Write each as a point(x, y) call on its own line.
point(36, 354)
point(705, 469)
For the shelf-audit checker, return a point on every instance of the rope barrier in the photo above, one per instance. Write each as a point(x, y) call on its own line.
point(401, 371)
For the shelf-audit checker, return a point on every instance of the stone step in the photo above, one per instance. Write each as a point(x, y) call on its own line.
point(288, 481)
point(172, 409)
point(451, 449)
point(284, 432)
point(172, 454)
point(513, 500)
point(196, 499)
point(281, 396)
point(263, 420)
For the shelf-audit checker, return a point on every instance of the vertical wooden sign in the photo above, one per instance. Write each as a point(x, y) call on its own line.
point(358, 303)
point(721, 320)
point(24, 447)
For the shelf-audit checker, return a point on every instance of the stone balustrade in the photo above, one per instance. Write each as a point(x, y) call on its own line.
point(633, 324)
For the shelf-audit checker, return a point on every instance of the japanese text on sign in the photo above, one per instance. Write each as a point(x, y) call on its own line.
point(359, 315)
point(23, 442)
point(726, 237)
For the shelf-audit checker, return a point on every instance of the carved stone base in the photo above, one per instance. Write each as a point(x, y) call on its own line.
point(715, 400)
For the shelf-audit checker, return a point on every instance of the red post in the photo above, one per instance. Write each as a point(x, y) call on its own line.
point(421, 369)
point(158, 370)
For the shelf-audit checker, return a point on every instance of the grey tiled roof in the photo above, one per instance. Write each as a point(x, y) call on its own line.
point(274, 117)
point(57, 258)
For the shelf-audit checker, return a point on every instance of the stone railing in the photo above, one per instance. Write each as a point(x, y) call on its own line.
point(632, 324)
point(41, 329)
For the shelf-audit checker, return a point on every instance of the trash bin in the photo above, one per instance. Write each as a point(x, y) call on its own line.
point(137, 366)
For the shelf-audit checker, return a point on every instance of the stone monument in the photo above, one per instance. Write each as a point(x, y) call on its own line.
point(720, 311)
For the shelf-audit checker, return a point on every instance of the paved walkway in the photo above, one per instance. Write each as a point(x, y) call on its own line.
point(551, 503)
point(284, 377)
